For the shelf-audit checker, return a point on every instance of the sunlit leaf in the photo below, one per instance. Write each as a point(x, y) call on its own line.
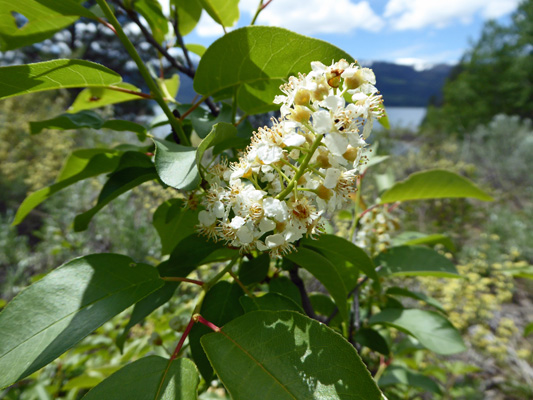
point(269, 302)
point(434, 184)
point(53, 314)
point(44, 19)
point(224, 12)
point(432, 329)
point(150, 378)
point(189, 12)
point(255, 61)
point(56, 74)
point(176, 164)
point(153, 13)
point(285, 355)
point(102, 96)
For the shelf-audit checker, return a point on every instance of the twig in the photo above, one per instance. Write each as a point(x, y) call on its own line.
point(190, 72)
point(175, 26)
point(306, 302)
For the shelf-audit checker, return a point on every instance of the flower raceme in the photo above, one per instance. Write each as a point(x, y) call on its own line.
point(302, 166)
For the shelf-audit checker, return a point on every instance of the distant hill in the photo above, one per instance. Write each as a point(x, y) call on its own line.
point(404, 86)
point(401, 85)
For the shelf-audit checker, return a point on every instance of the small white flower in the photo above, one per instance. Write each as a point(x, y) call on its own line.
point(206, 218)
point(276, 209)
point(336, 143)
point(237, 222)
point(332, 175)
point(266, 225)
point(322, 122)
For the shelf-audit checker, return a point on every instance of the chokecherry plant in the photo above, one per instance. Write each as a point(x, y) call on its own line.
point(252, 205)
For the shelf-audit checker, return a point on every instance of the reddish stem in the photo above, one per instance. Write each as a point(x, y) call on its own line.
point(102, 21)
point(193, 107)
point(202, 320)
point(179, 279)
point(182, 340)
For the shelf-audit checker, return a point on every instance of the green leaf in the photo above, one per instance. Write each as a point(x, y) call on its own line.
point(184, 259)
point(56, 74)
point(269, 302)
point(325, 272)
point(101, 96)
point(433, 330)
point(56, 312)
point(348, 251)
point(86, 119)
point(221, 305)
point(203, 121)
point(150, 378)
point(134, 168)
point(176, 164)
point(398, 291)
point(254, 270)
point(255, 61)
point(44, 19)
point(415, 260)
point(197, 49)
point(224, 12)
point(285, 355)
point(173, 223)
point(372, 339)
point(169, 86)
point(528, 330)
point(284, 286)
point(414, 238)
point(395, 374)
point(220, 133)
point(434, 184)
point(83, 119)
point(192, 252)
point(189, 12)
point(81, 164)
point(153, 13)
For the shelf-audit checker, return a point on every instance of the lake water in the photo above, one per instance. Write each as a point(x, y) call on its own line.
point(406, 117)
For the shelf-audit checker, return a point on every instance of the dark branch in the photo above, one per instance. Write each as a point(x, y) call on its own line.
point(189, 71)
point(306, 302)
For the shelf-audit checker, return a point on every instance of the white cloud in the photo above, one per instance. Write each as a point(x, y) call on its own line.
point(417, 14)
point(316, 16)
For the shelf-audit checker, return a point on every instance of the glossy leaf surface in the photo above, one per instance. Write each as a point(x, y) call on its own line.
point(44, 19)
point(149, 379)
point(255, 61)
point(285, 355)
point(56, 312)
point(56, 74)
point(176, 164)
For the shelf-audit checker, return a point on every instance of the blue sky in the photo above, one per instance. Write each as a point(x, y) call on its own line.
point(414, 32)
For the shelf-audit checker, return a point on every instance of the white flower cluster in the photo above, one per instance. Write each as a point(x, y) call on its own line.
point(377, 225)
point(304, 165)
